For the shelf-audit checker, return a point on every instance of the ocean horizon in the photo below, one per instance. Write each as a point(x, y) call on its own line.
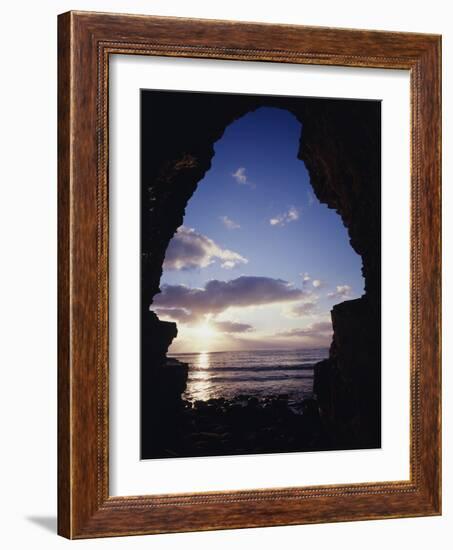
point(257, 373)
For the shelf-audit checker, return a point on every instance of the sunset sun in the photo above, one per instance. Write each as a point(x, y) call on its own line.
point(205, 331)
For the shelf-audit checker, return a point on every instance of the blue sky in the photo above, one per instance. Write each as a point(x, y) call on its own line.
point(259, 262)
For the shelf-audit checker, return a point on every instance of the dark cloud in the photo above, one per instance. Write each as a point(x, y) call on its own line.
point(183, 316)
point(191, 250)
point(230, 326)
point(175, 314)
point(218, 296)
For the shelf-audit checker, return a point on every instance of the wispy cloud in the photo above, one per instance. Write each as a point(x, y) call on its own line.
point(341, 291)
point(192, 304)
point(191, 250)
point(320, 327)
point(229, 223)
point(316, 334)
point(304, 309)
point(232, 327)
point(241, 177)
point(287, 217)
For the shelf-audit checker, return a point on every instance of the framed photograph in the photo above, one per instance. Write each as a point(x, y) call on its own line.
point(249, 275)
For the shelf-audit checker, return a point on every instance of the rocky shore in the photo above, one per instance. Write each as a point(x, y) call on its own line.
point(243, 425)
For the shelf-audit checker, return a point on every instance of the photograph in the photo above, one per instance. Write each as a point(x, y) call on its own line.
point(260, 274)
point(227, 275)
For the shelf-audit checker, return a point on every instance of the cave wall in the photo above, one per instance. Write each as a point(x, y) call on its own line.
point(340, 146)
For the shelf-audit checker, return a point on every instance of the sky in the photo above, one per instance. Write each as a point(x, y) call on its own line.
point(258, 262)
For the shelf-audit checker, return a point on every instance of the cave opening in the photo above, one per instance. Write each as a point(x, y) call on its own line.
point(252, 273)
point(211, 164)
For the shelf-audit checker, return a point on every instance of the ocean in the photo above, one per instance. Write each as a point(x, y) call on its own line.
point(230, 374)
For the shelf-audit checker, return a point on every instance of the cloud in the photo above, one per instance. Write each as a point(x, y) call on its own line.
point(184, 316)
point(318, 328)
point(232, 327)
point(287, 217)
point(317, 334)
point(316, 283)
point(341, 291)
point(174, 314)
point(304, 309)
point(191, 250)
point(218, 296)
point(229, 223)
point(241, 177)
point(309, 304)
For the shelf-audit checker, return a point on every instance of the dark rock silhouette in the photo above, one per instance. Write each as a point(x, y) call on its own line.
point(242, 425)
point(340, 145)
point(164, 383)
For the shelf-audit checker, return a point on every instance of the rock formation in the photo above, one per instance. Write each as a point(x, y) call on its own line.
point(340, 145)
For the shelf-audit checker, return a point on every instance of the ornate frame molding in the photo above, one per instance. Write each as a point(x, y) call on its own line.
point(86, 40)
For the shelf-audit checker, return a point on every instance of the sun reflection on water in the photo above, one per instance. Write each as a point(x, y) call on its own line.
point(203, 360)
point(201, 387)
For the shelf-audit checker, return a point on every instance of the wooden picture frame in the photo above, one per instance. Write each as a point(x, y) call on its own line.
point(85, 41)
